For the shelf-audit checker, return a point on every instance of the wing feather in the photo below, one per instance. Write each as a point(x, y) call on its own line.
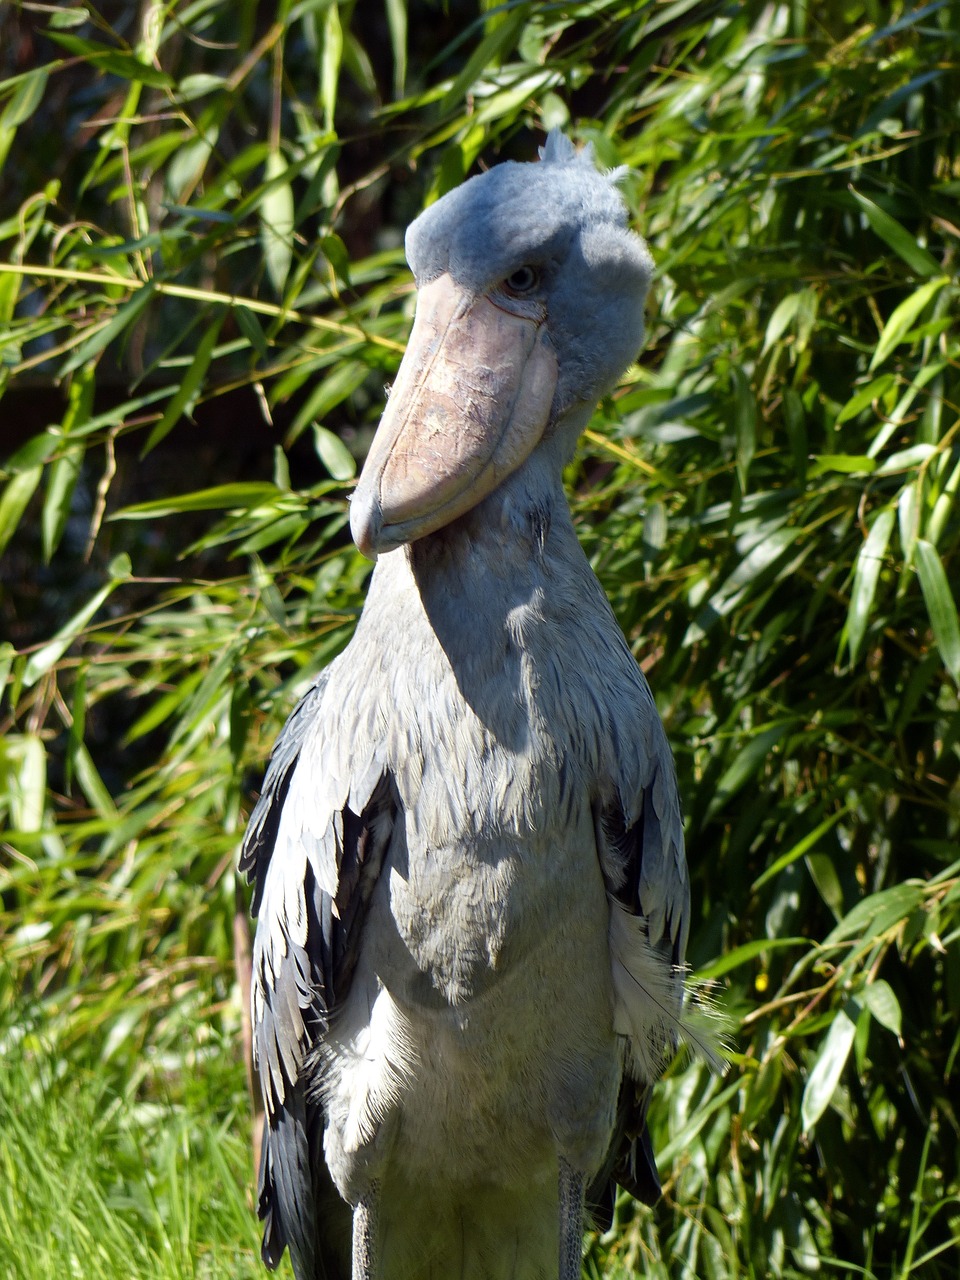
point(303, 840)
point(639, 830)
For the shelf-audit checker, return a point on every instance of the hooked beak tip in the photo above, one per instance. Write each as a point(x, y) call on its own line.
point(366, 521)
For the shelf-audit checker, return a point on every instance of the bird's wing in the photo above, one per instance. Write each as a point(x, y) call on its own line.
point(639, 829)
point(314, 848)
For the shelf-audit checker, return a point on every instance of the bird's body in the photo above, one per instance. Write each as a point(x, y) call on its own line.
point(471, 891)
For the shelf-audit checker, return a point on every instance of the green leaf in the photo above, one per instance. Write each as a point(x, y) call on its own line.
point(823, 873)
point(897, 237)
point(904, 317)
point(499, 37)
point(743, 954)
point(276, 221)
point(865, 578)
point(113, 61)
point(334, 454)
point(745, 423)
point(199, 85)
point(61, 483)
point(122, 319)
point(397, 22)
point(941, 605)
point(17, 493)
point(795, 422)
point(252, 330)
point(803, 846)
point(25, 99)
point(182, 401)
point(241, 496)
point(879, 998)
point(23, 772)
point(864, 398)
point(845, 463)
point(40, 662)
point(827, 1069)
point(778, 323)
point(748, 761)
point(330, 65)
point(877, 913)
point(330, 391)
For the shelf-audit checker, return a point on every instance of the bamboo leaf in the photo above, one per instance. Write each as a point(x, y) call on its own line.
point(25, 99)
point(866, 575)
point(845, 463)
point(61, 483)
point(113, 61)
point(330, 65)
point(17, 493)
point(904, 317)
point(803, 846)
point(240, 496)
point(40, 662)
point(748, 761)
point(23, 771)
point(941, 605)
point(334, 454)
point(121, 320)
point(864, 398)
point(897, 237)
point(827, 1069)
point(746, 952)
point(276, 221)
point(182, 401)
point(778, 323)
point(745, 424)
point(397, 22)
point(879, 998)
point(330, 391)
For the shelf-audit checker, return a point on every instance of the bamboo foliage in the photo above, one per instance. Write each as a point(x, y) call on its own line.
point(202, 295)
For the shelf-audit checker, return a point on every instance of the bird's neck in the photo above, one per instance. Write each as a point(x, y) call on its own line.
point(512, 533)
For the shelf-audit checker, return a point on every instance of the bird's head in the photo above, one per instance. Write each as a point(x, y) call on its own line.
point(531, 293)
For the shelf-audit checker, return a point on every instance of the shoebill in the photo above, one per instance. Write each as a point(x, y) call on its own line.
point(468, 858)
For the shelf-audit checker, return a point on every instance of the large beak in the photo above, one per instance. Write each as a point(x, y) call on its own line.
point(470, 403)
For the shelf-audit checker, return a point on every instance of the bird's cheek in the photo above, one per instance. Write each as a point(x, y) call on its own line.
point(471, 402)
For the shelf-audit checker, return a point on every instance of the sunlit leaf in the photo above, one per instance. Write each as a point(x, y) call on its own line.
point(879, 998)
point(246, 493)
point(865, 578)
point(941, 605)
point(330, 64)
point(827, 1069)
point(334, 454)
point(25, 99)
point(276, 221)
point(40, 662)
point(904, 317)
point(17, 492)
point(897, 237)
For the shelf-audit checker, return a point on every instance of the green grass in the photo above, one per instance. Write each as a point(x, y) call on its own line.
point(104, 1176)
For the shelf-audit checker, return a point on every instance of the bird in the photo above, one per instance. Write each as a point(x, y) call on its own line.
point(470, 882)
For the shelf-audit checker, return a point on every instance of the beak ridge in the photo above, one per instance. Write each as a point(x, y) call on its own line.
point(472, 400)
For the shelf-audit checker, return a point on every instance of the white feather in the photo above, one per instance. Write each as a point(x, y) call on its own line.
point(652, 1005)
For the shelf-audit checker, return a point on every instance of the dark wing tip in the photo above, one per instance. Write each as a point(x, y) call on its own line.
point(264, 822)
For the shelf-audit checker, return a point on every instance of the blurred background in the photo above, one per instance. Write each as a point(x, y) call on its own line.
point(202, 297)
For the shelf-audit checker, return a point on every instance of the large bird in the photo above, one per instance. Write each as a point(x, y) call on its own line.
point(468, 853)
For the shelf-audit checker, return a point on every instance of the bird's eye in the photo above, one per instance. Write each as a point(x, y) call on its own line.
point(523, 280)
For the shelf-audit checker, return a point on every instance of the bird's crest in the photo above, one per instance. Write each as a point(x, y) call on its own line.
point(559, 149)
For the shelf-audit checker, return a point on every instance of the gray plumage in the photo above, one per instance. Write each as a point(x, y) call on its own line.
point(468, 853)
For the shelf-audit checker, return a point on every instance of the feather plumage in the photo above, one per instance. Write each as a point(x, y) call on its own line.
point(468, 855)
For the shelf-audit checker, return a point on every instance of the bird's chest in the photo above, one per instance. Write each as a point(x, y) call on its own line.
point(496, 770)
